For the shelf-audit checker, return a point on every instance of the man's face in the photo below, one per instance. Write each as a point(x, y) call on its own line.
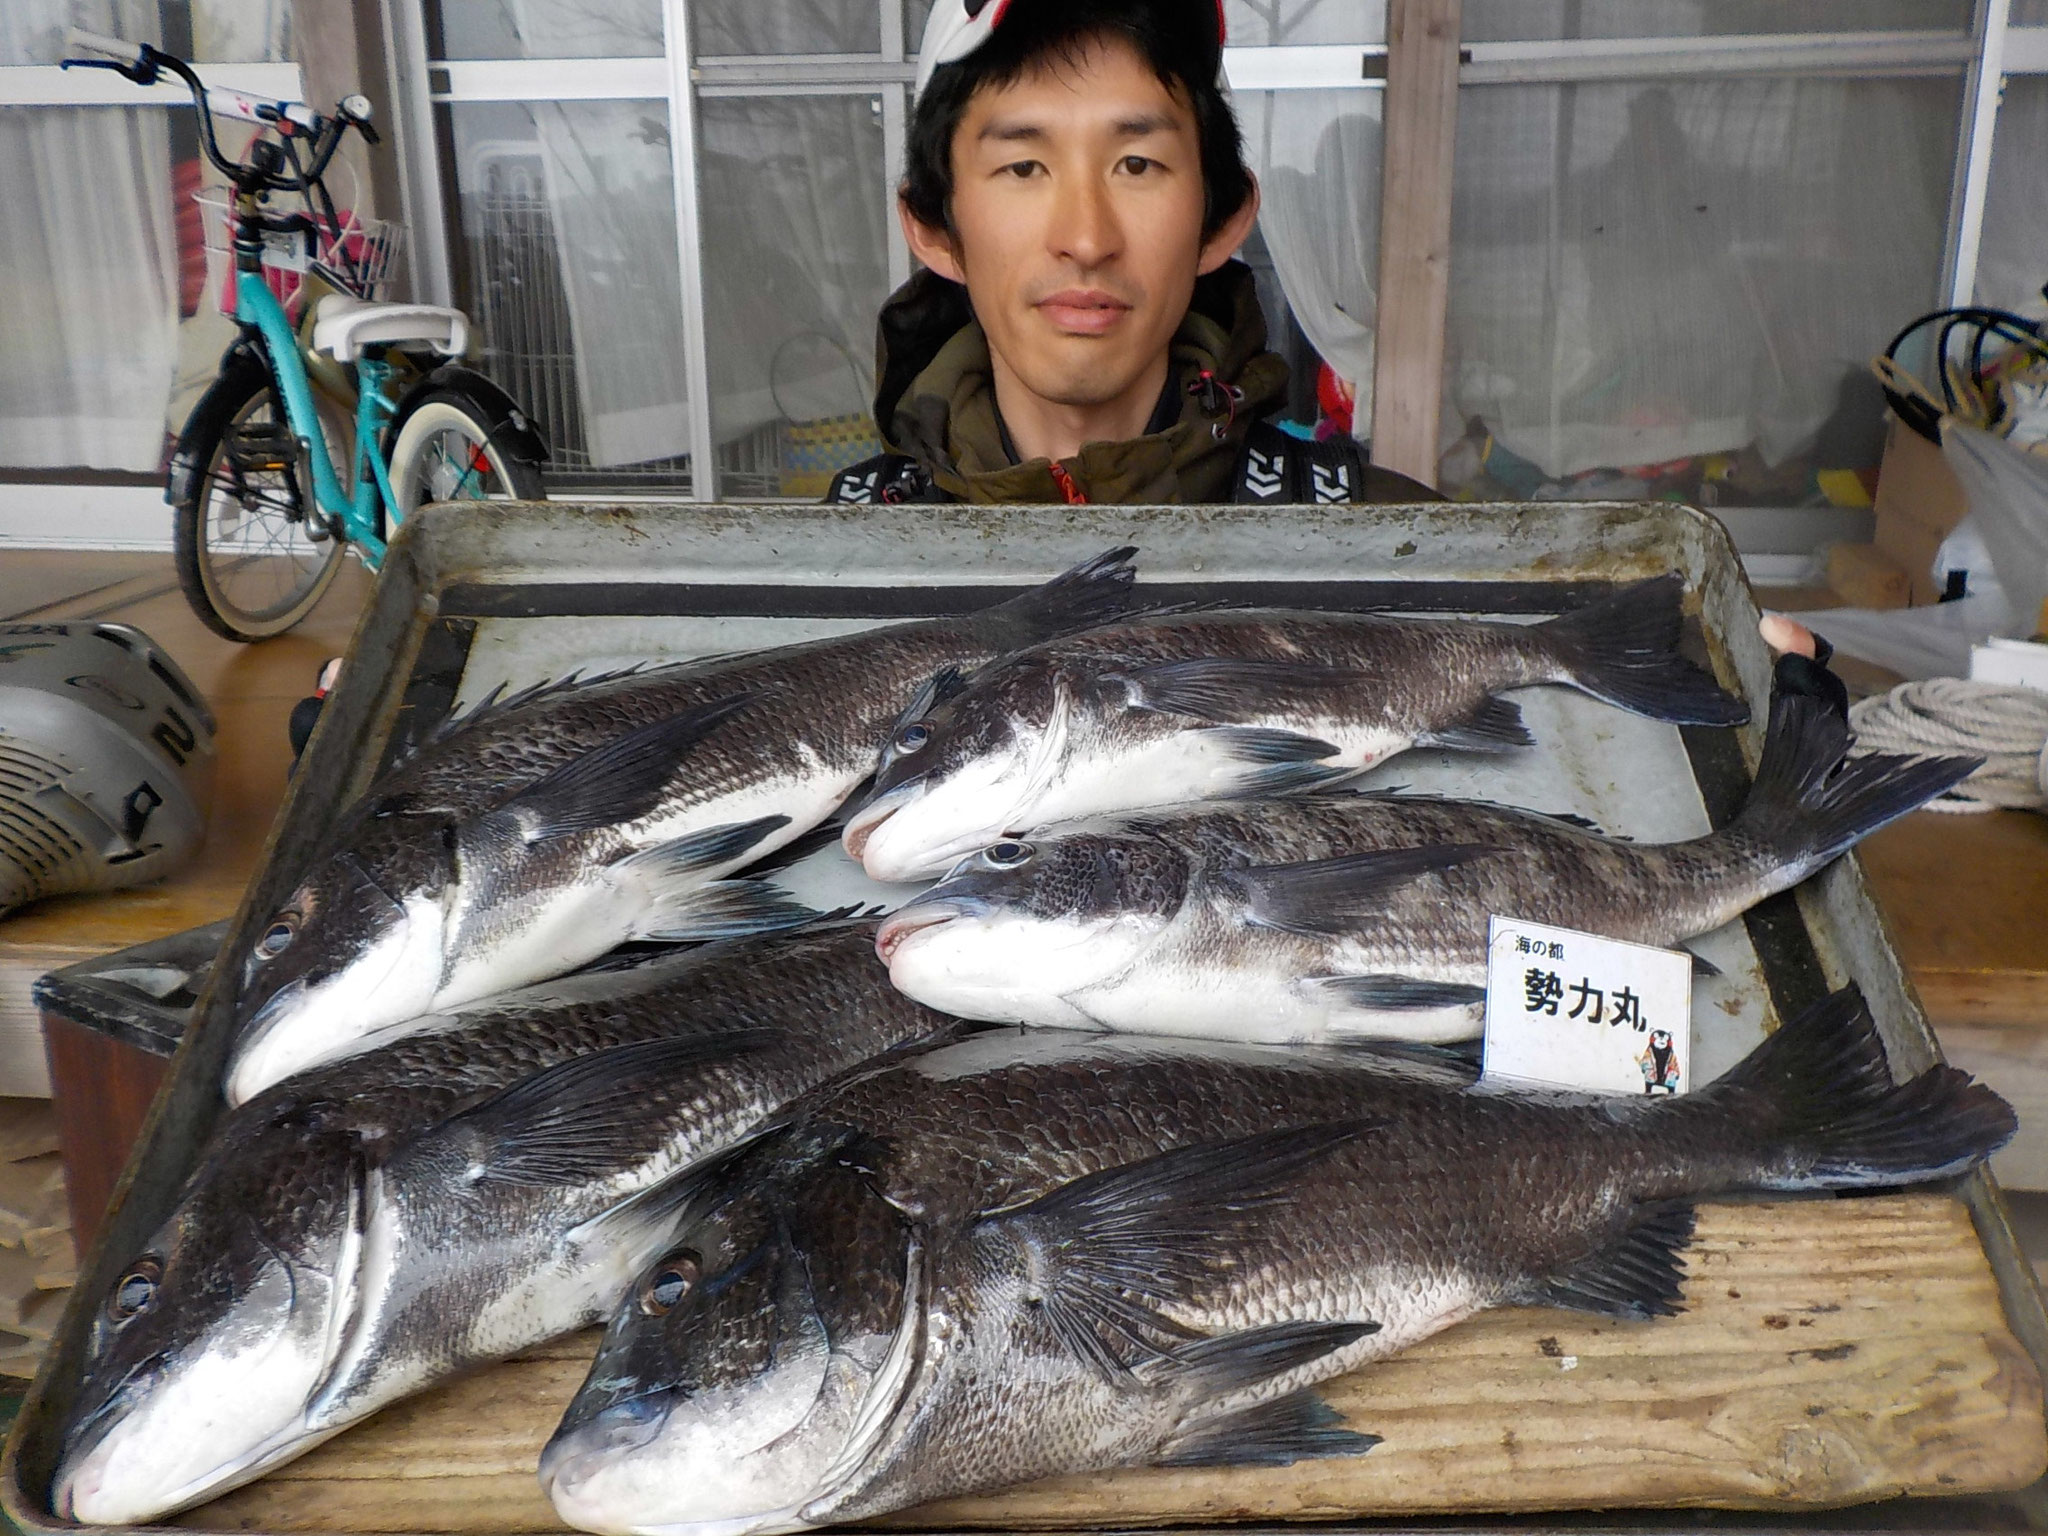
point(1077, 222)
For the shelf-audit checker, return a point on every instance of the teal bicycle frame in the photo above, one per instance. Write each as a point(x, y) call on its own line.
point(354, 517)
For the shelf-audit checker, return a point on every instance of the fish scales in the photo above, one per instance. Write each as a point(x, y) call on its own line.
point(547, 828)
point(1025, 1255)
point(1537, 869)
point(284, 1183)
point(1189, 706)
point(1335, 916)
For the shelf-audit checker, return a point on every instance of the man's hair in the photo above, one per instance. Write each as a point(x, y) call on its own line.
point(1183, 57)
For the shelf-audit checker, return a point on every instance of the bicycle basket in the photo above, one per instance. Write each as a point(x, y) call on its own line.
point(361, 261)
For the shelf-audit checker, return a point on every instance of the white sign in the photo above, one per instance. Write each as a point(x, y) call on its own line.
point(1574, 1010)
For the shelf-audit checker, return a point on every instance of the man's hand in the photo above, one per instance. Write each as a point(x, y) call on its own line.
point(1802, 662)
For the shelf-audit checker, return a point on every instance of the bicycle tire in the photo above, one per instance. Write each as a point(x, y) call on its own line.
point(427, 465)
point(216, 555)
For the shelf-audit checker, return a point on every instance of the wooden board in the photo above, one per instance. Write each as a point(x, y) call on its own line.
point(1421, 116)
point(1831, 1352)
point(1967, 900)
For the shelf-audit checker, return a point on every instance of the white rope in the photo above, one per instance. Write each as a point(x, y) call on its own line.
point(2007, 727)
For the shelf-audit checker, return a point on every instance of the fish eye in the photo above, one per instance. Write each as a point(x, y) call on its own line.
point(278, 936)
point(134, 1291)
point(1007, 854)
point(669, 1284)
point(913, 738)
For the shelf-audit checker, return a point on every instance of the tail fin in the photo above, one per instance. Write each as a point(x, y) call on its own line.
point(1820, 1098)
point(1093, 592)
point(1624, 649)
point(1807, 805)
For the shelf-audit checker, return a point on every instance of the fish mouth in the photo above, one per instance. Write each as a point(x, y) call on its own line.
point(79, 1491)
point(905, 923)
point(862, 823)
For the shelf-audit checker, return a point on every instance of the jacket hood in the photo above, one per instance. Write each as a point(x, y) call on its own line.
point(936, 400)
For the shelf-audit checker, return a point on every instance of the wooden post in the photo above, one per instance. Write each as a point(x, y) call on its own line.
point(1421, 133)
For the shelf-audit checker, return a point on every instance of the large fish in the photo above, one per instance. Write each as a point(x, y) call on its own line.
point(547, 829)
point(380, 1224)
point(1024, 1256)
point(1182, 707)
point(1334, 917)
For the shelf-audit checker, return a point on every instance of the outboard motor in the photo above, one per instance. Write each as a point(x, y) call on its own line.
point(106, 760)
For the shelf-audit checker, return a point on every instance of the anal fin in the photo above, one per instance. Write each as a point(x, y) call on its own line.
point(1495, 726)
point(1231, 1361)
point(1642, 1275)
point(1297, 1427)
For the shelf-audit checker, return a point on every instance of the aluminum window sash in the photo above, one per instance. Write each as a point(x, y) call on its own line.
point(682, 139)
point(418, 151)
point(46, 85)
point(1639, 58)
point(1973, 154)
point(2026, 50)
point(895, 135)
point(522, 80)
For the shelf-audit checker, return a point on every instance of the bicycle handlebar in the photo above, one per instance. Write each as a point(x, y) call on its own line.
point(141, 63)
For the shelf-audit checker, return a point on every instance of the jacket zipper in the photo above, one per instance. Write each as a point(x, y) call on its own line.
point(1068, 489)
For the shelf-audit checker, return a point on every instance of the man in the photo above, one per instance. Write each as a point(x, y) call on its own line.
point(1075, 189)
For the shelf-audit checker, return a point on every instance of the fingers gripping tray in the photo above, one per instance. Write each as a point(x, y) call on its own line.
point(1877, 1356)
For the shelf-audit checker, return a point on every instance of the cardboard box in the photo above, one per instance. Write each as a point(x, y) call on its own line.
point(1919, 503)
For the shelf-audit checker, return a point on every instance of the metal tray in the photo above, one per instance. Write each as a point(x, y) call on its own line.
point(473, 597)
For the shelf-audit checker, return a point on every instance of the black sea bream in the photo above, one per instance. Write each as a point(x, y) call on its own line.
point(1029, 1255)
point(1183, 707)
point(1335, 917)
point(377, 1225)
point(541, 832)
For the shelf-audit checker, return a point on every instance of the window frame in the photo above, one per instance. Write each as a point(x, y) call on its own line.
point(1413, 280)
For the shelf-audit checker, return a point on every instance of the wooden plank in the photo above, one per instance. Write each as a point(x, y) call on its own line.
point(1831, 1352)
point(102, 1089)
point(1421, 123)
point(1964, 896)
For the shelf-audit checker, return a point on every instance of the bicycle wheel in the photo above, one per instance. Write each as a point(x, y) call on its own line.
point(446, 451)
point(249, 561)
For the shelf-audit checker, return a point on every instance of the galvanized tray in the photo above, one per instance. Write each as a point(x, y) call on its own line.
point(475, 597)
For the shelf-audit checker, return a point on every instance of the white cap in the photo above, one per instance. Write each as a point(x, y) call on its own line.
point(956, 28)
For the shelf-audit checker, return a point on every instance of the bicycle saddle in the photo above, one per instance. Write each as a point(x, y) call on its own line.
point(344, 325)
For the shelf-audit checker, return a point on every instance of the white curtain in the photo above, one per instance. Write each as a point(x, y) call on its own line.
point(611, 199)
point(795, 256)
point(1646, 271)
point(2012, 261)
point(88, 261)
point(1317, 156)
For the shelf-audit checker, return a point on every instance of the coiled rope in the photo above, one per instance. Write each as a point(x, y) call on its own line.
point(2007, 727)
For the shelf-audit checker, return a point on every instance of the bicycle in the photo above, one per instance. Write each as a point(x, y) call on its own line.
point(378, 387)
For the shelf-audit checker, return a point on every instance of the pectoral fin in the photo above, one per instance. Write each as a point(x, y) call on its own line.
point(1104, 1254)
point(619, 781)
point(1399, 993)
point(1226, 689)
point(1336, 896)
point(587, 1115)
